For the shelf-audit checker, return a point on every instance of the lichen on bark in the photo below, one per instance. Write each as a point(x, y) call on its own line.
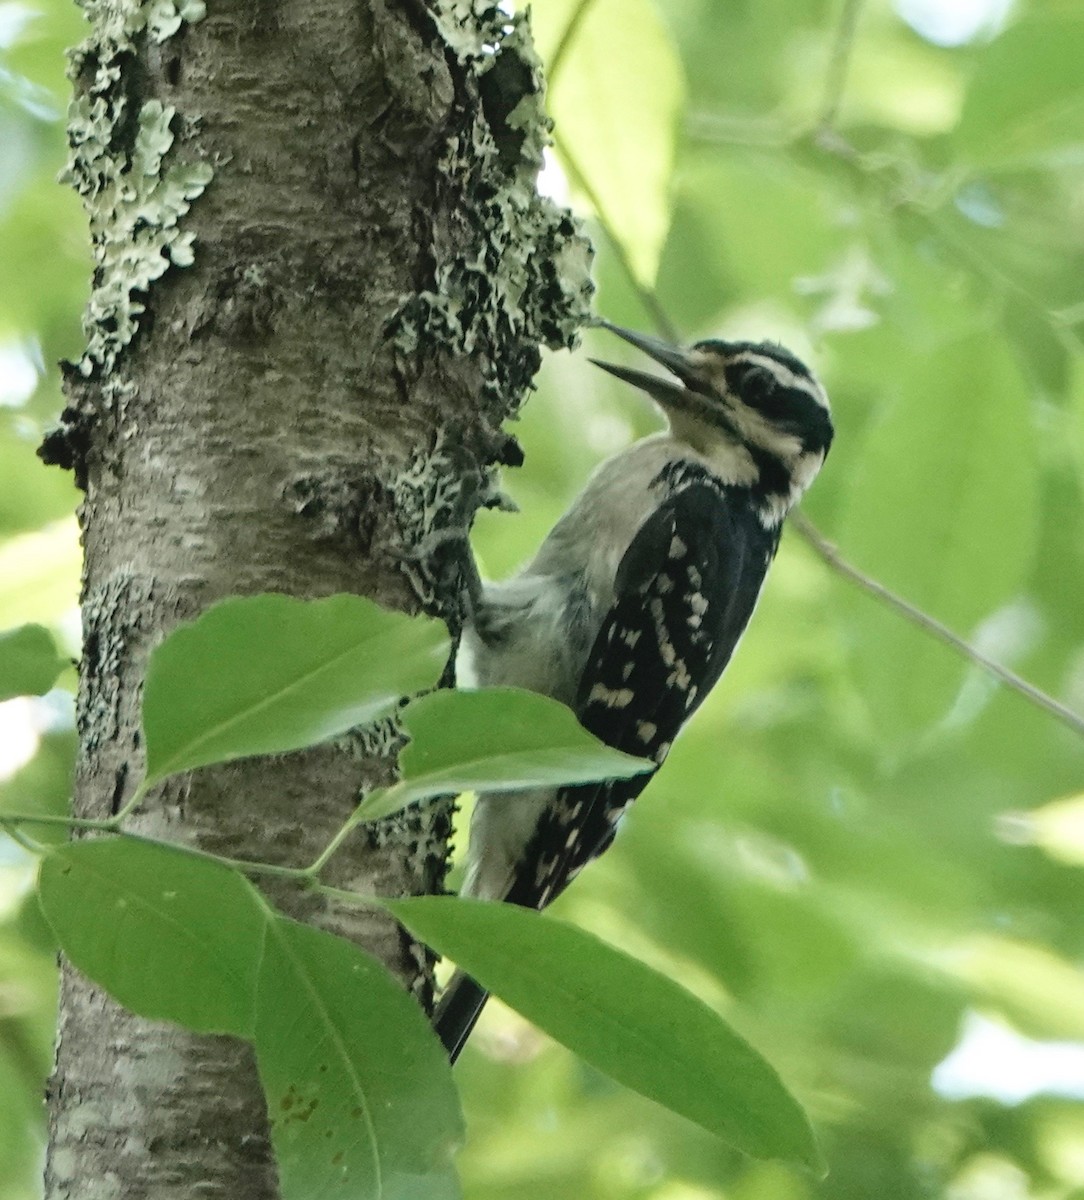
point(119, 145)
point(526, 278)
point(510, 274)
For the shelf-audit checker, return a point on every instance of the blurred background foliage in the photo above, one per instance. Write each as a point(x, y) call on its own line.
point(863, 851)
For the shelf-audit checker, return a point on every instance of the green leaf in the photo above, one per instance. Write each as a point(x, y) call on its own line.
point(1036, 987)
point(1025, 103)
point(267, 674)
point(359, 1091)
point(171, 935)
point(616, 98)
point(622, 1017)
point(30, 497)
point(495, 739)
point(43, 786)
point(943, 509)
point(744, 224)
point(29, 663)
point(39, 572)
point(1057, 827)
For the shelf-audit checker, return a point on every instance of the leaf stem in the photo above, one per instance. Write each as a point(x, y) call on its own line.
point(360, 814)
point(8, 820)
point(344, 896)
point(137, 799)
point(245, 866)
point(20, 838)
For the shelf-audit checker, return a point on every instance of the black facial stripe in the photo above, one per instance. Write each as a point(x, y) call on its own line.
point(790, 409)
point(798, 413)
point(816, 429)
point(764, 391)
point(773, 478)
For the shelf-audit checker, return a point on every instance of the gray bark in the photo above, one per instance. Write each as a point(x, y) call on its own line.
point(304, 409)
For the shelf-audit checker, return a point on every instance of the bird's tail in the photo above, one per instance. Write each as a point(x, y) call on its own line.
point(458, 1011)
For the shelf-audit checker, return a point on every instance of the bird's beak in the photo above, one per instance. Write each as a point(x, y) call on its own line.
point(675, 360)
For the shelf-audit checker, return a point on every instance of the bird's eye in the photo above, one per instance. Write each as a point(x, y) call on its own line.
point(756, 386)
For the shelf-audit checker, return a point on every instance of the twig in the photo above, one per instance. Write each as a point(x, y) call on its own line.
point(831, 555)
point(646, 295)
point(824, 548)
point(568, 36)
point(838, 63)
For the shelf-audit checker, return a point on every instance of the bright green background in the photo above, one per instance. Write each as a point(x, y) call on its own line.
point(835, 855)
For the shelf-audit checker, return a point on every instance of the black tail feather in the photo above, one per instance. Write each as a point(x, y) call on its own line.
point(458, 1011)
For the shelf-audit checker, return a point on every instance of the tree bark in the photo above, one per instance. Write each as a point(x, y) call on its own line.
point(312, 406)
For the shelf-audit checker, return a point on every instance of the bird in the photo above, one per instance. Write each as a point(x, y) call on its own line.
point(635, 602)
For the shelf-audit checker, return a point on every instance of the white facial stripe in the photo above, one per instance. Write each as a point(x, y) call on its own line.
point(784, 374)
point(726, 456)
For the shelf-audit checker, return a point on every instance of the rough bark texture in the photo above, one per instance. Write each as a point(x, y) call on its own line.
point(304, 409)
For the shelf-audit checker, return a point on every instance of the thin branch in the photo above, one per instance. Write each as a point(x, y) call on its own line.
point(826, 549)
point(724, 129)
point(838, 63)
point(831, 555)
point(646, 295)
point(568, 36)
point(9, 823)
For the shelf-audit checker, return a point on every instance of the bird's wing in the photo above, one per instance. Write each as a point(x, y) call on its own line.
point(684, 593)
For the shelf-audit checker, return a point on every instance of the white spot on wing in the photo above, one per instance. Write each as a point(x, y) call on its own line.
point(611, 697)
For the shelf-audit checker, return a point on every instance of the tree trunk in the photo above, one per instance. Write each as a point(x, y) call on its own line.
point(312, 406)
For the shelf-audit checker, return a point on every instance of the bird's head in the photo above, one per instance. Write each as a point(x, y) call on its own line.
point(751, 407)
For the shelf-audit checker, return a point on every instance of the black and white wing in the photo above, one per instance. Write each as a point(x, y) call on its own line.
point(684, 594)
point(682, 601)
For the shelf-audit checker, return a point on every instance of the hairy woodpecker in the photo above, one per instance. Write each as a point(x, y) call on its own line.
point(636, 600)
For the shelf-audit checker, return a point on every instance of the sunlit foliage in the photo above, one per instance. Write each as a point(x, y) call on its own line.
point(839, 854)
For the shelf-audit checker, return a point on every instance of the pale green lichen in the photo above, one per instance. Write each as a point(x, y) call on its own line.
point(528, 118)
point(134, 201)
point(119, 21)
point(527, 279)
point(468, 26)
